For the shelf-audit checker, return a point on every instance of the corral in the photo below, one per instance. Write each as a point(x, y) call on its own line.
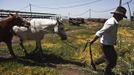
point(5, 13)
point(63, 59)
point(67, 58)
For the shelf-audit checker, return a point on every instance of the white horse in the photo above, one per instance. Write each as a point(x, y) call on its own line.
point(37, 29)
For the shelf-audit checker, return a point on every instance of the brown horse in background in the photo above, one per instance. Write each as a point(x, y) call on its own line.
point(6, 33)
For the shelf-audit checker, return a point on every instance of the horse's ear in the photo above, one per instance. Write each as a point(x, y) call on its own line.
point(13, 14)
point(16, 13)
point(59, 19)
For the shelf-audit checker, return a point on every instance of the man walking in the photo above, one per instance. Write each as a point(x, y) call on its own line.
point(108, 36)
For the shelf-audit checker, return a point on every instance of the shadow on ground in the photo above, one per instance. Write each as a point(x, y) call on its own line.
point(43, 60)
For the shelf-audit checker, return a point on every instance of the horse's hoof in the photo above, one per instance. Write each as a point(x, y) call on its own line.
point(32, 53)
point(13, 56)
point(27, 55)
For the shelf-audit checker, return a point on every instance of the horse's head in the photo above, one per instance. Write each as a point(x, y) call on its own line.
point(60, 29)
point(18, 20)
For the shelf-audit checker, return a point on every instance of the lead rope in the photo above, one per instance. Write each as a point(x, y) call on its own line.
point(90, 49)
point(69, 44)
point(91, 58)
point(75, 47)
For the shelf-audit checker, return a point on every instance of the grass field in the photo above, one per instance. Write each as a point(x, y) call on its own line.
point(69, 59)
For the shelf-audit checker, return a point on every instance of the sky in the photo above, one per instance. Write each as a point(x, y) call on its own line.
point(70, 8)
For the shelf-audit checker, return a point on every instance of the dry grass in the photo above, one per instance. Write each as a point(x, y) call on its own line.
point(68, 57)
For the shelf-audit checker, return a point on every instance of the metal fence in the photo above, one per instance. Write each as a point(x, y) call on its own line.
point(4, 13)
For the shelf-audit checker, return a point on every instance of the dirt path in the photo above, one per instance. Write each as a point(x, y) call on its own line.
point(71, 70)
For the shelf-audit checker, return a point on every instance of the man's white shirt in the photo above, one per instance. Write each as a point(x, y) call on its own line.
point(108, 33)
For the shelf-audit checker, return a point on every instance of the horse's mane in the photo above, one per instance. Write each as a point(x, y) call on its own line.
point(5, 19)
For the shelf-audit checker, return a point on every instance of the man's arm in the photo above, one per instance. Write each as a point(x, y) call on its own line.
point(94, 39)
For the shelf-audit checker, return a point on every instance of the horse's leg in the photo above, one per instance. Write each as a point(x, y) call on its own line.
point(35, 51)
point(39, 50)
point(39, 47)
point(22, 46)
point(36, 47)
point(9, 45)
point(39, 44)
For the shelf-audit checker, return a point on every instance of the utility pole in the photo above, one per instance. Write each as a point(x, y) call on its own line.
point(68, 14)
point(30, 9)
point(129, 10)
point(89, 13)
point(120, 3)
point(133, 15)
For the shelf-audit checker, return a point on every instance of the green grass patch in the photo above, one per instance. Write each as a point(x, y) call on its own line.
point(52, 45)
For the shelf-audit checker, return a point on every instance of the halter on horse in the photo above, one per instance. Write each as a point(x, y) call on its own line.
point(6, 33)
point(37, 30)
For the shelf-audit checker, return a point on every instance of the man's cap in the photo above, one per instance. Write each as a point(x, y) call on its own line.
point(120, 10)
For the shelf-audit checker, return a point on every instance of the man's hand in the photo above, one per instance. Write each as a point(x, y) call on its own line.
point(94, 39)
point(91, 42)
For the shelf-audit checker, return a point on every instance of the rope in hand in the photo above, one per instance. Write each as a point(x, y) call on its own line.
point(91, 58)
point(70, 44)
point(86, 45)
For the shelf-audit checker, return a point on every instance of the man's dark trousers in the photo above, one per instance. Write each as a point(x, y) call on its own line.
point(110, 56)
